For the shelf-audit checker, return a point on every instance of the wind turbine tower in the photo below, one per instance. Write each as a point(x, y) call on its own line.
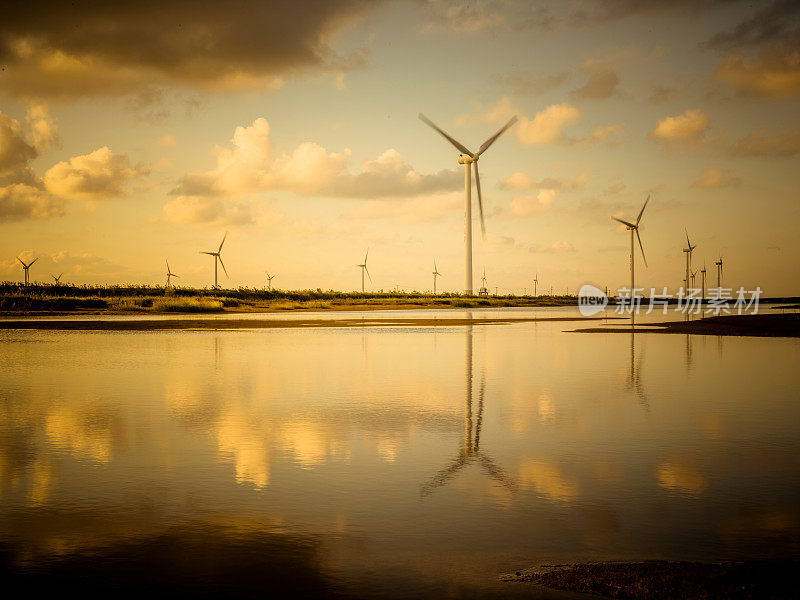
point(535, 283)
point(26, 267)
point(217, 257)
point(170, 275)
point(435, 275)
point(688, 250)
point(269, 280)
point(363, 270)
point(703, 279)
point(468, 158)
point(719, 272)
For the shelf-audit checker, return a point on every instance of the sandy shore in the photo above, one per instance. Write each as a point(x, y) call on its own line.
point(764, 325)
point(221, 323)
point(773, 579)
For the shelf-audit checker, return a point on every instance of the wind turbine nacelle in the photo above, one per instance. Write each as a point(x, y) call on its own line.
point(465, 159)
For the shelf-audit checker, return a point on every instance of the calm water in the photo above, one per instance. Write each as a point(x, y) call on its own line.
point(392, 462)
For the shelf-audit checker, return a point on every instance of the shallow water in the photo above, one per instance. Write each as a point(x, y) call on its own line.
point(389, 462)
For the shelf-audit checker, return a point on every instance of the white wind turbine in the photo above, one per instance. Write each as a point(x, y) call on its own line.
point(435, 275)
point(634, 227)
point(467, 158)
point(364, 268)
point(269, 280)
point(56, 280)
point(26, 267)
point(217, 257)
point(688, 251)
point(170, 275)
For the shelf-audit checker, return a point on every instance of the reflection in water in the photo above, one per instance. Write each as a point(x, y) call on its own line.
point(470, 448)
point(313, 443)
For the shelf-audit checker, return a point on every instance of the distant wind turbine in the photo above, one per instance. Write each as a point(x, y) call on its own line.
point(363, 269)
point(688, 251)
point(693, 275)
point(703, 279)
point(719, 271)
point(535, 283)
point(435, 275)
point(26, 267)
point(170, 275)
point(467, 158)
point(57, 280)
point(217, 257)
point(269, 280)
point(634, 228)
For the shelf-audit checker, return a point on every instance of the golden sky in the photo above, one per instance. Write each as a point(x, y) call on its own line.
point(131, 134)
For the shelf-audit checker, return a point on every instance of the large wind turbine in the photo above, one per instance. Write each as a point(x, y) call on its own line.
point(435, 275)
point(269, 280)
point(634, 227)
point(719, 272)
point(26, 267)
point(217, 257)
point(364, 268)
point(170, 275)
point(688, 251)
point(467, 158)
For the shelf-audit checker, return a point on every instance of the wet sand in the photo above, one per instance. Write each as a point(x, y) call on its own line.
point(774, 579)
point(221, 323)
point(766, 325)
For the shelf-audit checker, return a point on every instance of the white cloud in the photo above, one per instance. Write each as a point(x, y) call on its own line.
point(251, 166)
point(523, 181)
point(497, 114)
point(20, 201)
point(525, 206)
point(547, 127)
point(43, 129)
point(689, 126)
point(96, 176)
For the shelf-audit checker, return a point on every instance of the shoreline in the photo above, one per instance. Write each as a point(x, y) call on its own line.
point(761, 325)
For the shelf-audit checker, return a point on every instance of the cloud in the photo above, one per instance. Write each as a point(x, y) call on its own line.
point(608, 135)
point(19, 202)
point(690, 126)
point(661, 94)
point(547, 127)
point(602, 82)
point(523, 181)
point(424, 209)
point(774, 74)
point(523, 83)
point(44, 131)
point(609, 10)
point(715, 178)
point(779, 21)
point(484, 15)
point(498, 114)
point(53, 49)
point(251, 165)
point(15, 150)
point(99, 175)
point(525, 206)
point(761, 144)
point(193, 209)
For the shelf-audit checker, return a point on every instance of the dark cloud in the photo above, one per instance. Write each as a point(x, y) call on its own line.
point(775, 73)
point(606, 10)
point(95, 47)
point(15, 151)
point(780, 21)
point(602, 83)
point(761, 144)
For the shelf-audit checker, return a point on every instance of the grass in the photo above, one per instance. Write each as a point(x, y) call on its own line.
point(188, 305)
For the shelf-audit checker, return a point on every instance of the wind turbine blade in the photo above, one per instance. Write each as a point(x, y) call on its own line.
point(641, 212)
point(480, 200)
point(222, 242)
point(485, 146)
point(688, 243)
point(365, 257)
point(209, 253)
point(223, 265)
point(461, 147)
point(33, 261)
point(368, 275)
point(22, 263)
point(631, 225)
point(641, 247)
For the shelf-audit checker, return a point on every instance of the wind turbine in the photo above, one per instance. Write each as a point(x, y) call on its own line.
point(170, 275)
point(693, 275)
point(363, 269)
point(535, 283)
point(435, 274)
point(217, 257)
point(57, 280)
point(703, 278)
point(26, 267)
point(467, 158)
point(719, 272)
point(269, 280)
point(688, 250)
point(483, 279)
point(634, 227)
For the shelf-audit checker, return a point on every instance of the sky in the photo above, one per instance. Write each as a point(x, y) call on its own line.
point(135, 134)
